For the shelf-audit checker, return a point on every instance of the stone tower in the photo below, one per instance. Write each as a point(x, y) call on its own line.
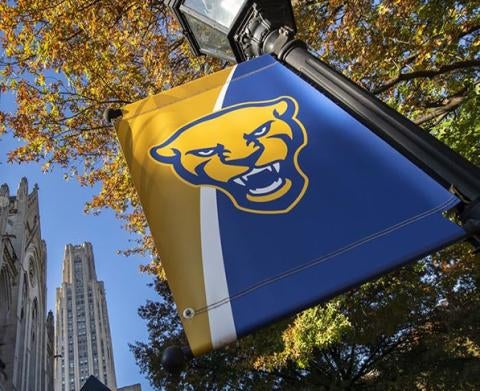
point(26, 363)
point(82, 332)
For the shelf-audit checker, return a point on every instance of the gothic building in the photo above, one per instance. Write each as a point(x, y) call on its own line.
point(82, 327)
point(26, 334)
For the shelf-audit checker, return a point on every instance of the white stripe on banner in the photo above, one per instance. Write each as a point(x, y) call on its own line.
point(222, 326)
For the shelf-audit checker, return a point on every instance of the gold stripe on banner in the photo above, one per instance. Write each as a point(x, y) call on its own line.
point(171, 206)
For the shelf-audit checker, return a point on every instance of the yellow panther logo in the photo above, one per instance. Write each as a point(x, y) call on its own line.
point(248, 151)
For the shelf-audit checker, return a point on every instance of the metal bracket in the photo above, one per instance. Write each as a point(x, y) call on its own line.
point(174, 358)
point(110, 115)
point(277, 40)
point(470, 217)
point(252, 35)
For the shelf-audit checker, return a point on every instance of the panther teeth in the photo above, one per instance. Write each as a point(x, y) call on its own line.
point(275, 166)
point(274, 186)
point(254, 170)
point(239, 181)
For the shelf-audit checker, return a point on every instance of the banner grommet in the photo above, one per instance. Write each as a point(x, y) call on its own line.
point(188, 313)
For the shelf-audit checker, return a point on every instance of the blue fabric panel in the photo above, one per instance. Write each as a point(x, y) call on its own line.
point(359, 186)
point(326, 277)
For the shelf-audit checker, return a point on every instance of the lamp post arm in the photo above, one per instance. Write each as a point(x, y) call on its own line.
point(437, 159)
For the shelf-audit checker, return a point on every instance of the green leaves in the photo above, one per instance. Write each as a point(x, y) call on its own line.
point(312, 330)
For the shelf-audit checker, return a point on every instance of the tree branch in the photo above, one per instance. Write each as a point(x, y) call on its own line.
point(449, 105)
point(426, 73)
point(468, 31)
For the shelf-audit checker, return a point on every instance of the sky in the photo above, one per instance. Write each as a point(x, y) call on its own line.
point(62, 222)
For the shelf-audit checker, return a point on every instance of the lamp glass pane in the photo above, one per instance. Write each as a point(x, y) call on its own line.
point(209, 38)
point(221, 11)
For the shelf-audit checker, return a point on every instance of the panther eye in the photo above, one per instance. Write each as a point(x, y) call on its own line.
point(262, 130)
point(204, 152)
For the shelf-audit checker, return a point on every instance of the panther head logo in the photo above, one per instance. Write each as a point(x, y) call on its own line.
point(248, 151)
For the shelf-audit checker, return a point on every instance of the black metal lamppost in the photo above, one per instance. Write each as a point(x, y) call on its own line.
point(239, 30)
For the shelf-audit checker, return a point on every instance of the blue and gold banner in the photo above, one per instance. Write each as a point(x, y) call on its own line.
point(264, 197)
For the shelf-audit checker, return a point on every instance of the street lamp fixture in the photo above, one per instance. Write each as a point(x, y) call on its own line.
point(233, 30)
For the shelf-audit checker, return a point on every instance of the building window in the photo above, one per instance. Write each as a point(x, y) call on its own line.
point(32, 273)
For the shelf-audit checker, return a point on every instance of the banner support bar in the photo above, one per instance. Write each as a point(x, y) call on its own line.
point(111, 114)
point(174, 358)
